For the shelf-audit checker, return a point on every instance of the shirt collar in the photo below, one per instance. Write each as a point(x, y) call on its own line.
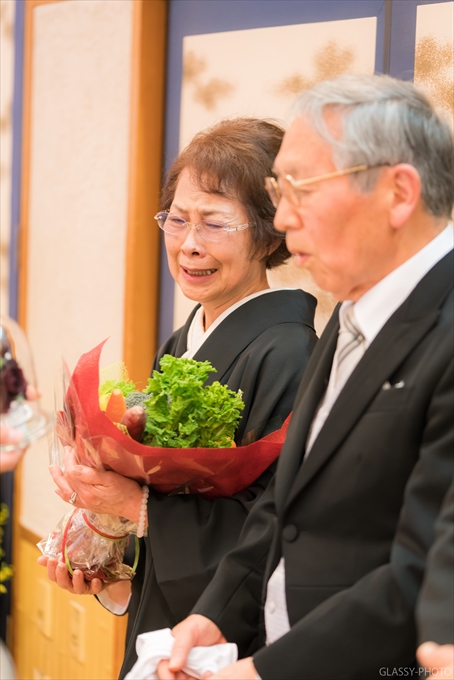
point(376, 306)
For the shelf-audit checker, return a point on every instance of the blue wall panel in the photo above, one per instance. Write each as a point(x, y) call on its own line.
point(403, 34)
point(16, 154)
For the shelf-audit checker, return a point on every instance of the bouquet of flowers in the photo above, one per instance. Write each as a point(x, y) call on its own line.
point(176, 436)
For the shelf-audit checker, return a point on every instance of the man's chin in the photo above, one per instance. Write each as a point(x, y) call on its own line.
point(327, 285)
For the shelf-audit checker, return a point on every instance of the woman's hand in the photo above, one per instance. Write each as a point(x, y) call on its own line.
point(58, 573)
point(97, 490)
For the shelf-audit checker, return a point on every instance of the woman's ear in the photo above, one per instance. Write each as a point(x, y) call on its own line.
point(406, 187)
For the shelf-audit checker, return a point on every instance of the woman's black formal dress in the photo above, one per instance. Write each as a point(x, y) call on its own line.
point(262, 348)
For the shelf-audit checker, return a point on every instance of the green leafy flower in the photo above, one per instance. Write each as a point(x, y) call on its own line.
point(183, 413)
point(126, 387)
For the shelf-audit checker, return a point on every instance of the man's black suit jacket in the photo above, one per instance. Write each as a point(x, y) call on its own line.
point(355, 520)
point(435, 610)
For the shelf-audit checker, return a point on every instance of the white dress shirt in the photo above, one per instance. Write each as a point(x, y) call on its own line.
point(372, 311)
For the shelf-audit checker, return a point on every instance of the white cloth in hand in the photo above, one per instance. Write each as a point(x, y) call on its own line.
point(153, 647)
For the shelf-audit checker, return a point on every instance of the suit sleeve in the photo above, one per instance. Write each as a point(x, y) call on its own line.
point(369, 626)
point(435, 610)
point(233, 599)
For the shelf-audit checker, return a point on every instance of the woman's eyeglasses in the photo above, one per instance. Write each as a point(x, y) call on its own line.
point(209, 230)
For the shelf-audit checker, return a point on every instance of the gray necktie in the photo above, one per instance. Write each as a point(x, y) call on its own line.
point(350, 348)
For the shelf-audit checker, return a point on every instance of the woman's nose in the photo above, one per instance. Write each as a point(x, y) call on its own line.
point(193, 242)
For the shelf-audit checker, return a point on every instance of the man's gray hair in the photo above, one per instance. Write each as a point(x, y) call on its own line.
point(385, 121)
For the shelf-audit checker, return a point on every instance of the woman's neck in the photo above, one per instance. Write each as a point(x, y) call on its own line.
point(212, 311)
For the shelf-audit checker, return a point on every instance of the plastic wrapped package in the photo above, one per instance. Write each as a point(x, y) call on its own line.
point(93, 543)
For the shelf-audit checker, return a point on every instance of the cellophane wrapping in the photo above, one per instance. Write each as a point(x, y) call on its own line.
point(99, 443)
point(211, 472)
point(93, 543)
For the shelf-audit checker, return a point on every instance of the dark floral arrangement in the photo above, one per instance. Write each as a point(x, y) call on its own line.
point(12, 382)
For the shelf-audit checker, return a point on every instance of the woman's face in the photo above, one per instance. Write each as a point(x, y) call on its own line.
point(216, 274)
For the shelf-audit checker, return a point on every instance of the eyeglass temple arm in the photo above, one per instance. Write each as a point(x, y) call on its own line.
point(338, 173)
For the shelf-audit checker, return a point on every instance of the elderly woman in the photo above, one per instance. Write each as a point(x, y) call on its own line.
point(217, 221)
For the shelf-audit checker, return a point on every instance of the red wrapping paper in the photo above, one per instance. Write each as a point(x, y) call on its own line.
point(99, 443)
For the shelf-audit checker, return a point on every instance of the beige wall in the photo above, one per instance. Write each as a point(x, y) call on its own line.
point(78, 202)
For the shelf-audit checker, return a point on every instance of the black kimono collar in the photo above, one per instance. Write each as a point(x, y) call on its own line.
point(246, 323)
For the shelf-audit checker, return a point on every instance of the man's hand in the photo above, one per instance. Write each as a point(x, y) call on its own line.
point(195, 631)
point(241, 670)
point(437, 659)
point(164, 674)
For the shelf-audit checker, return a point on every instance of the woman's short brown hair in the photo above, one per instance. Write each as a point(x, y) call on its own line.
point(232, 159)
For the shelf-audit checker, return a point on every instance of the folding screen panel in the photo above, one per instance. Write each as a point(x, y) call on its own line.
point(434, 54)
point(236, 73)
point(91, 135)
point(91, 172)
point(230, 58)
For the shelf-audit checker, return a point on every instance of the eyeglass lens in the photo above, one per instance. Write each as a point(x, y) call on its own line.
point(273, 190)
point(177, 226)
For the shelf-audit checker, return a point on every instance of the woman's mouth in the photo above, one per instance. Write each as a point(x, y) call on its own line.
point(198, 272)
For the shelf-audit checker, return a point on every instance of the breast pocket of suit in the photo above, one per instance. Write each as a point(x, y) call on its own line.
point(391, 397)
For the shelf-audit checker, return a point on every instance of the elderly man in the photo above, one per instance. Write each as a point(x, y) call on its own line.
point(325, 578)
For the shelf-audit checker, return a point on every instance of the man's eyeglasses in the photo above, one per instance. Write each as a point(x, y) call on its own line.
point(209, 230)
point(290, 188)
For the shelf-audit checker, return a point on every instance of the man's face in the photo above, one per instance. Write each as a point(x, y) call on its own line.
point(342, 237)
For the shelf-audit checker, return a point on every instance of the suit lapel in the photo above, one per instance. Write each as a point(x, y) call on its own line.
point(404, 330)
point(310, 393)
point(380, 361)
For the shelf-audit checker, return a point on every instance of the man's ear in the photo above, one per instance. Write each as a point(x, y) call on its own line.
point(406, 185)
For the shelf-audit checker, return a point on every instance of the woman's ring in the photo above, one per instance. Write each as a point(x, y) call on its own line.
point(72, 499)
